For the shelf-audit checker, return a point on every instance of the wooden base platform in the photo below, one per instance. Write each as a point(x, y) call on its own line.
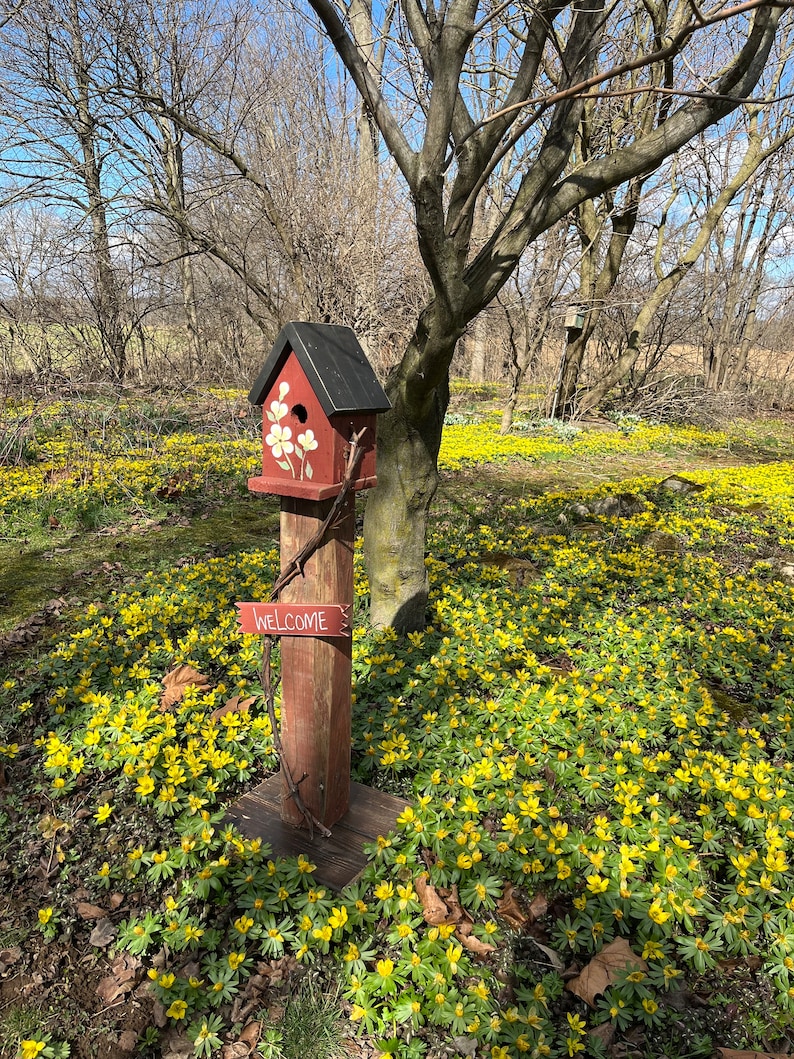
point(340, 859)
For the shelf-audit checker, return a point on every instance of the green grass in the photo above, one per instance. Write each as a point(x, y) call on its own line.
point(74, 565)
point(308, 1026)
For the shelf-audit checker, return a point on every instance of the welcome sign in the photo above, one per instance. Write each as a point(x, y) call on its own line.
point(295, 619)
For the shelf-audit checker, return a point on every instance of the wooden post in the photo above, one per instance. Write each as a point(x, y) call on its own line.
point(319, 398)
point(316, 672)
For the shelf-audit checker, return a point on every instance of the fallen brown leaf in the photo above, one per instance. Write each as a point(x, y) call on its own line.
point(233, 705)
point(752, 963)
point(173, 487)
point(85, 910)
point(538, 907)
point(8, 957)
point(110, 989)
point(126, 966)
point(603, 970)
point(102, 934)
point(473, 944)
point(550, 954)
point(509, 908)
point(178, 681)
point(434, 911)
point(604, 1034)
point(251, 1033)
point(237, 1050)
point(177, 1046)
point(457, 913)
point(50, 825)
point(128, 1040)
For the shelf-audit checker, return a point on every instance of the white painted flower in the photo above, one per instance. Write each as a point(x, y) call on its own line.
point(283, 390)
point(307, 441)
point(279, 441)
point(277, 411)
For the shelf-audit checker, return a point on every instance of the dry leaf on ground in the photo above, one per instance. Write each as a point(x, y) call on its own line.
point(604, 1034)
point(538, 907)
point(509, 908)
point(110, 989)
point(50, 825)
point(238, 1050)
point(124, 970)
point(752, 963)
point(473, 944)
point(604, 969)
point(457, 913)
point(126, 966)
point(176, 683)
point(251, 1033)
point(85, 910)
point(177, 1046)
point(550, 954)
point(102, 934)
point(434, 910)
point(234, 705)
point(128, 1040)
point(8, 957)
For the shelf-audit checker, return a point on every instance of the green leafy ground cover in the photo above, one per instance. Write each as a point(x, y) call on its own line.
point(594, 735)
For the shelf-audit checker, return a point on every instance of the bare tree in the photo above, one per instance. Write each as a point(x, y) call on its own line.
point(740, 178)
point(743, 241)
point(531, 313)
point(52, 68)
point(605, 223)
point(559, 55)
point(34, 247)
point(287, 187)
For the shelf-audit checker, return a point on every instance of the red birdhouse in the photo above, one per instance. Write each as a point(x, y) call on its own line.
point(316, 390)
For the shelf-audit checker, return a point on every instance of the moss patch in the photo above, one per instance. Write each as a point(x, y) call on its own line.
point(84, 566)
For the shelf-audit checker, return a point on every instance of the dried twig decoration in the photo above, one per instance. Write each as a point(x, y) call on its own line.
point(291, 570)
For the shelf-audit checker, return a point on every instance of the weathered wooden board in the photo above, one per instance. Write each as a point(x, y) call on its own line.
point(316, 671)
point(305, 619)
point(340, 859)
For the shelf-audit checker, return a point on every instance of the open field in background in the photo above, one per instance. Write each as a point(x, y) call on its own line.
point(594, 736)
point(53, 354)
point(670, 390)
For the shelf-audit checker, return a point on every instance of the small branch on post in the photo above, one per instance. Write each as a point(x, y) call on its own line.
point(296, 564)
point(291, 570)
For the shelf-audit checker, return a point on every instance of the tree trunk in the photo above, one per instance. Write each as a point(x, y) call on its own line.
point(106, 285)
point(510, 405)
point(478, 339)
point(173, 169)
point(564, 398)
point(395, 521)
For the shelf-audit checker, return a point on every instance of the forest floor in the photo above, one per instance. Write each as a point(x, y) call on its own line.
point(67, 983)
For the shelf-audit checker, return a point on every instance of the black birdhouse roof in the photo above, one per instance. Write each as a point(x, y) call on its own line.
point(334, 363)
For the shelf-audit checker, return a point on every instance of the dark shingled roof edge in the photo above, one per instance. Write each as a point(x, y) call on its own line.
point(334, 363)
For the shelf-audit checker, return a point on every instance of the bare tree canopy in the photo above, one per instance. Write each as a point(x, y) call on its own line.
point(469, 89)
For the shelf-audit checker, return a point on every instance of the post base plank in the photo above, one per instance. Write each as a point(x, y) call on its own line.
point(340, 859)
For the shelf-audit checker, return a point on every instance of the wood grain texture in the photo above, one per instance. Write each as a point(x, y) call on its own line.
point(316, 672)
point(339, 859)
